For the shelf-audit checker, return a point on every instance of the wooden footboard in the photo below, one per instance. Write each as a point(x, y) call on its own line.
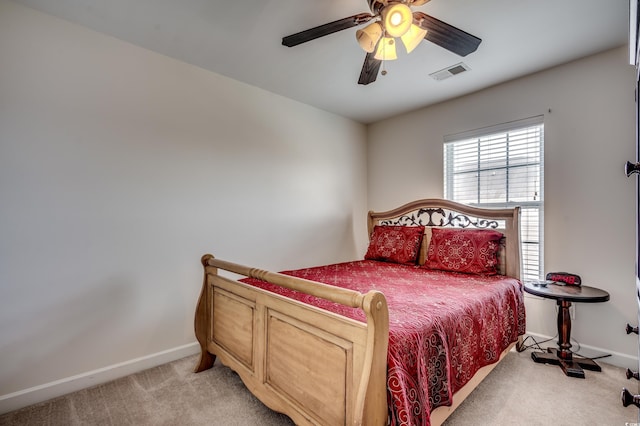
point(310, 364)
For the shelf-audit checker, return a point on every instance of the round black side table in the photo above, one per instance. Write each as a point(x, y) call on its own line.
point(571, 364)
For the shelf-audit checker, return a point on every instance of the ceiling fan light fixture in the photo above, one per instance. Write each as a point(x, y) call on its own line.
point(412, 38)
point(392, 19)
point(369, 36)
point(397, 18)
point(386, 49)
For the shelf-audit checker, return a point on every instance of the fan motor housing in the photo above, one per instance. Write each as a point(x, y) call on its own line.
point(376, 6)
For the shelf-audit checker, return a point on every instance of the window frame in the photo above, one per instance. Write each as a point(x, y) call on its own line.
point(487, 133)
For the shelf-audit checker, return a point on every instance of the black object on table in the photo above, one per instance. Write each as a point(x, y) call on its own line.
point(571, 364)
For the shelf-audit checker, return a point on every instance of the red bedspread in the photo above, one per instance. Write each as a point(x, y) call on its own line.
point(443, 326)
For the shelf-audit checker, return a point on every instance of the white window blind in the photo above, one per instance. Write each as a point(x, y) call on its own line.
point(502, 166)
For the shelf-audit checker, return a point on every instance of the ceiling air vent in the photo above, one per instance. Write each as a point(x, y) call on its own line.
point(450, 71)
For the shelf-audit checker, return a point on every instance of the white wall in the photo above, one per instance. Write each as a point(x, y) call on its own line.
point(119, 168)
point(588, 109)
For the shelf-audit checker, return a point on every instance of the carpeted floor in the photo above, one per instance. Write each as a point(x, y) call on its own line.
point(517, 392)
point(521, 392)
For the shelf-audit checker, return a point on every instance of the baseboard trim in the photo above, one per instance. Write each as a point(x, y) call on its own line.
point(41, 393)
point(616, 358)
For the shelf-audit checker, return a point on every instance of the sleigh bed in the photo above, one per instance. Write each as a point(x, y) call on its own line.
point(400, 337)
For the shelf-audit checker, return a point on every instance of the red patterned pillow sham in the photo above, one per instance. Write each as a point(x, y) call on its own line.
point(472, 251)
point(397, 244)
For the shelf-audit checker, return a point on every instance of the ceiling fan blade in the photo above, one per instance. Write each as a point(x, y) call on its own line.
point(445, 35)
point(326, 29)
point(370, 69)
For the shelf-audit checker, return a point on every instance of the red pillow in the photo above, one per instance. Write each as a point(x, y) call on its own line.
point(472, 251)
point(398, 244)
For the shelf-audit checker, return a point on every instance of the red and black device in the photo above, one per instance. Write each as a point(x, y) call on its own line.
point(564, 278)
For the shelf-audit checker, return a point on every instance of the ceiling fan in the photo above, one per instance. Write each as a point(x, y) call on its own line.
point(392, 19)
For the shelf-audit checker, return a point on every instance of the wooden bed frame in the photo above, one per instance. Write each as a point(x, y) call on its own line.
point(317, 367)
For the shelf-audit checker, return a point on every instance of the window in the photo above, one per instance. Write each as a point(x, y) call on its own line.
point(502, 166)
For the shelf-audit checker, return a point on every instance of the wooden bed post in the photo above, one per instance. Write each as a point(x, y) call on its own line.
point(371, 400)
point(202, 319)
point(514, 255)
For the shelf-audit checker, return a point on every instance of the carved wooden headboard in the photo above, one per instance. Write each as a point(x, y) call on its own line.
point(438, 213)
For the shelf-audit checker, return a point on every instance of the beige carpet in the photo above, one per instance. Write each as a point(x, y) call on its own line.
point(517, 392)
point(521, 392)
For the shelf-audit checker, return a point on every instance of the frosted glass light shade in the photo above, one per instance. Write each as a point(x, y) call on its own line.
point(369, 36)
point(386, 49)
point(412, 38)
point(397, 19)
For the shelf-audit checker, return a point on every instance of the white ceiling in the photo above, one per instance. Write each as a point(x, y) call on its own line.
point(242, 40)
